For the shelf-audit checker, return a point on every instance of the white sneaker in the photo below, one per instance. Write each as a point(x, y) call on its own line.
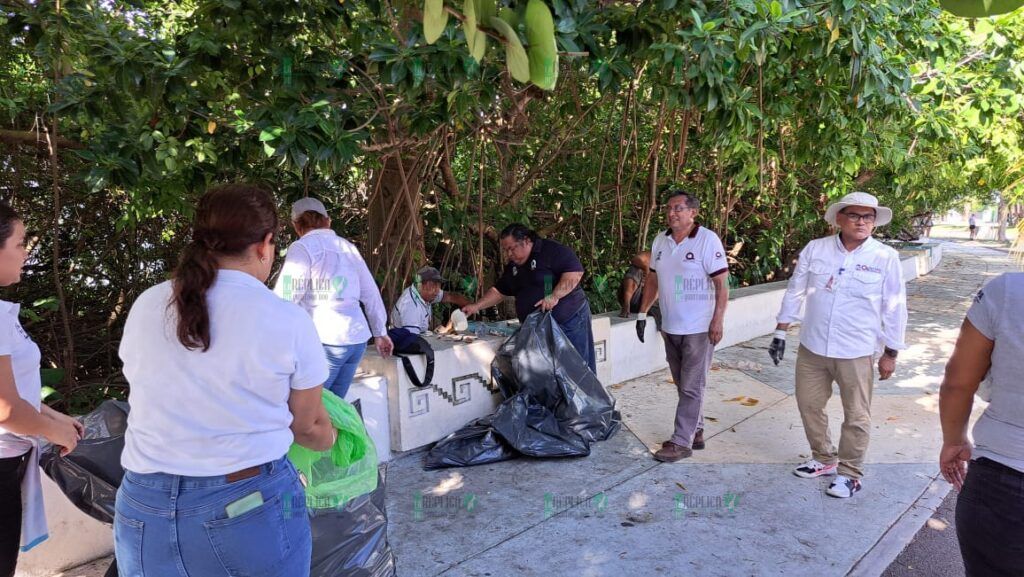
point(813, 468)
point(843, 487)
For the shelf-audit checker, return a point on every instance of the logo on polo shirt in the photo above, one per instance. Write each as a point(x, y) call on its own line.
point(979, 296)
point(689, 256)
point(867, 268)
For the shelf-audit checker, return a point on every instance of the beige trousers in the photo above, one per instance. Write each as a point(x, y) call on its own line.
point(814, 377)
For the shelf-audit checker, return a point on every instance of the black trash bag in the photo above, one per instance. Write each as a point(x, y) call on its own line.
point(540, 361)
point(352, 541)
point(91, 474)
point(535, 431)
point(475, 444)
point(554, 405)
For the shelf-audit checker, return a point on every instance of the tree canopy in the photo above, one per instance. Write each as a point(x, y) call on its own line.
point(117, 114)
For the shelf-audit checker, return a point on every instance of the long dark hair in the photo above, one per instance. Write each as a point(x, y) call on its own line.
point(229, 219)
point(8, 216)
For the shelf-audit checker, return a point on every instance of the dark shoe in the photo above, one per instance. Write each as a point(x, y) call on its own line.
point(671, 452)
point(698, 440)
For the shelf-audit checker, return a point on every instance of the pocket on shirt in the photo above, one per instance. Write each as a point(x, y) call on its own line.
point(866, 284)
point(254, 543)
point(820, 273)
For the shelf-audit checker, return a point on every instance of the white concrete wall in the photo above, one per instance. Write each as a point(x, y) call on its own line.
point(75, 538)
point(372, 392)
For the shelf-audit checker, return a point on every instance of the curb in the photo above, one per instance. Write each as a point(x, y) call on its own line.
point(902, 532)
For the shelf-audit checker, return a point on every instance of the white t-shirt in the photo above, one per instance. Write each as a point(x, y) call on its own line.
point(412, 312)
point(212, 413)
point(25, 357)
point(686, 293)
point(325, 275)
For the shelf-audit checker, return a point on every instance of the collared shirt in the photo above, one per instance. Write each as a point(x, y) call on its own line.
point(536, 278)
point(25, 357)
point(412, 312)
point(998, 313)
point(212, 413)
point(686, 293)
point(856, 301)
point(325, 275)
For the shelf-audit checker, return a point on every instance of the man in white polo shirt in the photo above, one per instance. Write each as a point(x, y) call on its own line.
point(413, 310)
point(856, 306)
point(688, 275)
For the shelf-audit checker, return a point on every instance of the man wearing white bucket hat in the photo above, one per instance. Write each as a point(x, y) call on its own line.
point(856, 306)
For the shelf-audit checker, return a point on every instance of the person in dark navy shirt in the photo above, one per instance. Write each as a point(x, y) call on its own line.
point(546, 274)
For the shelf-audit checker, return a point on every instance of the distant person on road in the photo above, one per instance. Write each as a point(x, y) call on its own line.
point(856, 302)
point(990, 507)
point(972, 225)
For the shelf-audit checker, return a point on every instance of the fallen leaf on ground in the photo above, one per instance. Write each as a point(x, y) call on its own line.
point(712, 419)
point(680, 485)
point(749, 402)
point(734, 399)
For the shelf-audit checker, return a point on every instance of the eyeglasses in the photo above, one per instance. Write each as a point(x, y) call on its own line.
point(855, 218)
point(677, 208)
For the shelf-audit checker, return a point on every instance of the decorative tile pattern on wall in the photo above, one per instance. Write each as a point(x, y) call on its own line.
point(601, 351)
point(419, 401)
point(462, 387)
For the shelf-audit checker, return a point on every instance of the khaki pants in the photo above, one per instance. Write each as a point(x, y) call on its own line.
point(814, 377)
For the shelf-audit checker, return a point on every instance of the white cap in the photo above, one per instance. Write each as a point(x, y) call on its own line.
point(308, 204)
point(883, 213)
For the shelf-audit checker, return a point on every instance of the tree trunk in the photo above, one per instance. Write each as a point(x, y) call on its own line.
point(1004, 216)
point(395, 240)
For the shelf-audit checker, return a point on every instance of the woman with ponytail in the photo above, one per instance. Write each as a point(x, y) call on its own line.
point(23, 417)
point(223, 377)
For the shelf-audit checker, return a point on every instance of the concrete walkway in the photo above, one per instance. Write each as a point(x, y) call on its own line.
point(733, 509)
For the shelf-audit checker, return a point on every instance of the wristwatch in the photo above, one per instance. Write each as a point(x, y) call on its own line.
point(891, 352)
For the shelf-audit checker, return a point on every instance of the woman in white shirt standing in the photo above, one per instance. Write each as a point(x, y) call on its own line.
point(325, 275)
point(22, 414)
point(223, 377)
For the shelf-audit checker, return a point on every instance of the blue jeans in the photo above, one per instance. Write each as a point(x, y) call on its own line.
point(176, 526)
point(581, 335)
point(342, 360)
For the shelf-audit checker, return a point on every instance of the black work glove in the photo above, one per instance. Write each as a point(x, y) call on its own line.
point(778, 347)
point(641, 326)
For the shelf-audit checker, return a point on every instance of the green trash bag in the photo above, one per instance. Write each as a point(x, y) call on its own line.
point(345, 471)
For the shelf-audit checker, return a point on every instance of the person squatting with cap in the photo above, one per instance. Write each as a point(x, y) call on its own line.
point(413, 310)
point(856, 305)
point(325, 275)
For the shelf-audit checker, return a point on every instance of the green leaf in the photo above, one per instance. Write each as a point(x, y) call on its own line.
point(516, 60)
point(543, 54)
point(776, 9)
point(435, 19)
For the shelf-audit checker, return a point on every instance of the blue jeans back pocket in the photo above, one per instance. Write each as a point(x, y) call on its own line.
point(254, 543)
point(128, 545)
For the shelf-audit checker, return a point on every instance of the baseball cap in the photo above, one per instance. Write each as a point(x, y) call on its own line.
point(308, 204)
point(427, 274)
